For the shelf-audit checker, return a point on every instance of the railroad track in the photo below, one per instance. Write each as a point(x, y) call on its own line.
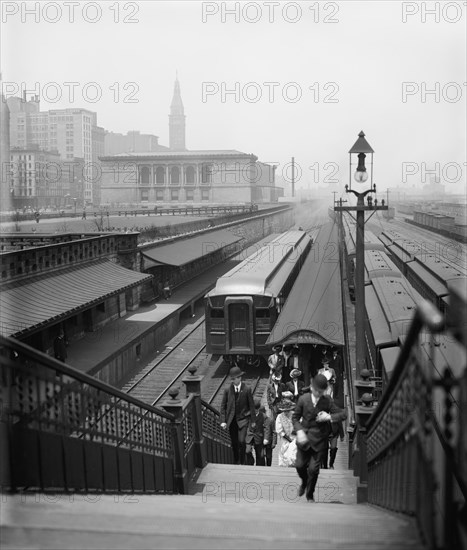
point(155, 380)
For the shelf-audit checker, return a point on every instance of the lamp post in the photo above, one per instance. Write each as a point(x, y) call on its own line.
point(360, 150)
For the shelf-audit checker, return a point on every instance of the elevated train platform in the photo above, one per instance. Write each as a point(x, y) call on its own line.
point(222, 505)
point(95, 350)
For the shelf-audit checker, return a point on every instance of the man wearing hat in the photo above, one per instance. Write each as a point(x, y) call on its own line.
point(336, 364)
point(288, 362)
point(237, 410)
point(311, 420)
point(274, 392)
point(275, 360)
point(295, 386)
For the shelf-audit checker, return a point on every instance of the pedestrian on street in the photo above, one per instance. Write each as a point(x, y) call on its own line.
point(296, 386)
point(336, 364)
point(311, 420)
point(160, 289)
point(285, 433)
point(256, 437)
point(60, 347)
point(274, 393)
point(337, 430)
point(167, 290)
point(275, 360)
point(329, 373)
point(237, 412)
point(288, 362)
point(270, 436)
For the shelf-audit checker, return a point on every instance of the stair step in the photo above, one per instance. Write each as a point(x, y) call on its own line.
point(272, 484)
point(192, 522)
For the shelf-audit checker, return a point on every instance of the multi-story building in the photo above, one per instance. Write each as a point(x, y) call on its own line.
point(21, 110)
point(37, 178)
point(132, 142)
point(71, 132)
point(5, 195)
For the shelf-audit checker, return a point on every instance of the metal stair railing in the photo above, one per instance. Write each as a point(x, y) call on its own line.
point(417, 436)
point(63, 430)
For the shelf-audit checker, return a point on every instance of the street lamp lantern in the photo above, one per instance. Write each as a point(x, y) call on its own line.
point(361, 148)
point(361, 174)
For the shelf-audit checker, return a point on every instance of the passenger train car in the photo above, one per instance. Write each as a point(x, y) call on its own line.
point(390, 302)
point(371, 244)
point(426, 268)
point(243, 307)
point(390, 305)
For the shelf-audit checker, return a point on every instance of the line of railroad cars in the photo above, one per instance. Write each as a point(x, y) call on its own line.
point(444, 224)
point(244, 305)
point(377, 262)
point(390, 302)
point(425, 266)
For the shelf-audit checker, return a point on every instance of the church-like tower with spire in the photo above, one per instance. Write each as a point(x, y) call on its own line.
point(177, 120)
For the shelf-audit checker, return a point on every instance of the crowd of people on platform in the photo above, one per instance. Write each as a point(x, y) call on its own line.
point(304, 419)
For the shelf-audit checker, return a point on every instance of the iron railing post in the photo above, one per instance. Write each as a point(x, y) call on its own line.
point(176, 407)
point(193, 387)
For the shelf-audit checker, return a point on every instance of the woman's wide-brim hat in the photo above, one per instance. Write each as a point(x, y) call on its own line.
point(286, 405)
point(235, 372)
point(295, 373)
point(277, 348)
point(325, 360)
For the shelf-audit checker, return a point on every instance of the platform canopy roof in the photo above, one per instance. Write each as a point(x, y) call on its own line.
point(312, 313)
point(33, 303)
point(184, 251)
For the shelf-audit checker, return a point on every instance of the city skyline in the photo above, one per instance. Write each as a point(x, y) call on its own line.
point(288, 85)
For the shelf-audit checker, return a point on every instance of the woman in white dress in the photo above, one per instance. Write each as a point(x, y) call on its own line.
point(286, 441)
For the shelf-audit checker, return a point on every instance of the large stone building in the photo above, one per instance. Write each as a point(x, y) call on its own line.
point(179, 175)
point(220, 177)
point(73, 133)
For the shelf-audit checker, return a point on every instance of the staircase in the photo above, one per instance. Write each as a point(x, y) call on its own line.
point(229, 507)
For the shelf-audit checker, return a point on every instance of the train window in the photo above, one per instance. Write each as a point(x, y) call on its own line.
point(217, 313)
point(261, 313)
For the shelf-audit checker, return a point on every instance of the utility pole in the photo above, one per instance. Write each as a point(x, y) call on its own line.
point(293, 177)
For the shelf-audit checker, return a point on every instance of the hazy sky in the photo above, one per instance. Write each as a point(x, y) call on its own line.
point(309, 77)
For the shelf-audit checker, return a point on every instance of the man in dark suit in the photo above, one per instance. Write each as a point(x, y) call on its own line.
point(237, 409)
point(274, 393)
point(311, 420)
point(336, 364)
point(295, 386)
